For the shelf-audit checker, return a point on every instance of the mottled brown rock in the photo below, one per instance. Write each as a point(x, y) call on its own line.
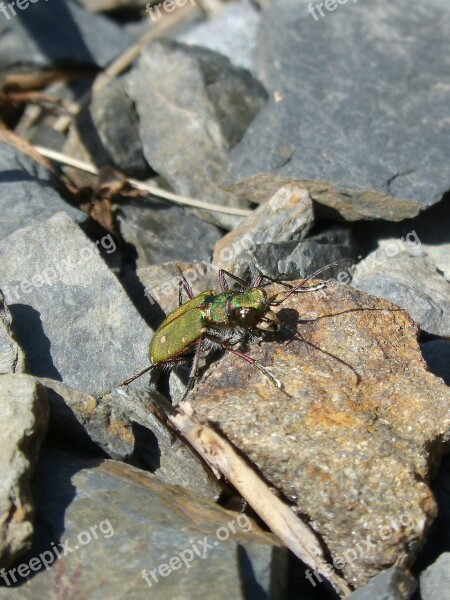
point(353, 442)
point(330, 201)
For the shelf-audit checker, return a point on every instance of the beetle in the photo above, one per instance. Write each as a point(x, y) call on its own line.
point(212, 320)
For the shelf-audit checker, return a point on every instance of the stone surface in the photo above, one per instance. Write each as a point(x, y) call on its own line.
point(23, 426)
point(392, 584)
point(27, 193)
point(330, 202)
point(140, 525)
point(437, 356)
point(231, 32)
point(387, 131)
point(352, 439)
point(125, 429)
point(435, 581)
point(12, 358)
point(288, 215)
point(291, 260)
point(193, 106)
point(161, 232)
point(412, 283)
point(70, 314)
point(59, 33)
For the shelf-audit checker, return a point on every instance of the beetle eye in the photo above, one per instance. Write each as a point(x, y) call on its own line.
point(248, 316)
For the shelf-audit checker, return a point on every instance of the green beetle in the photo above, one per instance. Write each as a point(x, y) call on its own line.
point(222, 320)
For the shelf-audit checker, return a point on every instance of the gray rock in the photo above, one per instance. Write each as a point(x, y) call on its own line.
point(70, 314)
point(125, 428)
point(359, 97)
point(412, 283)
point(161, 232)
point(392, 584)
point(193, 106)
point(22, 429)
point(110, 129)
point(437, 356)
point(120, 522)
point(288, 215)
point(59, 33)
point(12, 358)
point(232, 32)
point(435, 581)
point(27, 193)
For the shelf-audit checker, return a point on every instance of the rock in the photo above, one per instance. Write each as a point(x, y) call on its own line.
point(287, 216)
point(28, 195)
point(70, 314)
point(291, 260)
point(330, 202)
point(120, 525)
point(435, 581)
point(59, 34)
point(392, 584)
point(22, 429)
point(125, 429)
point(161, 232)
point(437, 356)
point(353, 437)
point(193, 105)
point(384, 132)
point(12, 358)
point(231, 32)
point(109, 128)
point(412, 283)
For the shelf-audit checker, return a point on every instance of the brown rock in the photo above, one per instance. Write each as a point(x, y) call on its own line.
point(353, 441)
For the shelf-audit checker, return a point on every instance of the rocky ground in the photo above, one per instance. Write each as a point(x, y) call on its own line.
point(268, 137)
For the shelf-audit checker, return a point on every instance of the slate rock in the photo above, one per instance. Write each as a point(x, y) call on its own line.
point(70, 314)
point(412, 283)
point(28, 195)
point(435, 581)
point(59, 33)
point(123, 427)
point(358, 97)
point(354, 435)
point(193, 105)
point(22, 429)
point(288, 215)
point(161, 232)
point(231, 32)
point(140, 525)
point(392, 584)
point(12, 358)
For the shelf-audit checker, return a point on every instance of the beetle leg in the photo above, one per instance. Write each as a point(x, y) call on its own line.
point(276, 382)
point(224, 284)
point(184, 284)
point(126, 381)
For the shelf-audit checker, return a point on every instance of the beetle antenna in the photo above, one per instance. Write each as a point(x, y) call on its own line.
point(321, 270)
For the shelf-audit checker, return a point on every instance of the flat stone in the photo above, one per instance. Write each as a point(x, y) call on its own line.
point(161, 232)
point(392, 584)
point(435, 581)
point(231, 32)
point(330, 201)
point(286, 216)
point(51, 35)
point(70, 314)
point(28, 195)
point(12, 358)
point(352, 439)
point(141, 524)
point(412, 283)
point(385, 131)
point(193, 105)
point(22, 429)
point(124, 428)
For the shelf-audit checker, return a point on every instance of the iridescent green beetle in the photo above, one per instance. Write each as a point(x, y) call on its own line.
point(222, 320)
